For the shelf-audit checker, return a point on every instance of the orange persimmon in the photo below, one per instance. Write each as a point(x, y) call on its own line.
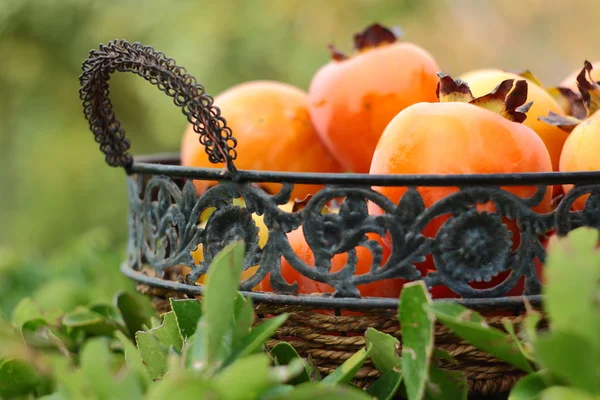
point(271, 123)
point(580, 152)
point(461, 135)
point(384, 288)
point(483, 81)
point(353, 98)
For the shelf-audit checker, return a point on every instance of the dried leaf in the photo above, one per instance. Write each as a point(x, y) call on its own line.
point(590, 90)
point(373, 36)
point(451, 90)
point(569, 101)
point(506, 101)
point(335, 53)
point(566, 123)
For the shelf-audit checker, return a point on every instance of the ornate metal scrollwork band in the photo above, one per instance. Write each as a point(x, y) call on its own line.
point(470, 246)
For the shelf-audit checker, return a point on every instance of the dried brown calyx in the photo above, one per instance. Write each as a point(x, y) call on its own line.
point(504, 100)
point(570, 101)
point(374, 35)
point(567, 99)
point(580, 106)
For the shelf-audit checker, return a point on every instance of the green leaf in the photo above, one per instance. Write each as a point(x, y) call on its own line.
point(284, 354)
point(320, 391)
point(246, 378)
point(17, 378)
point(416, 324)
point(96, 365)
point(136, 311)
point(244, 316)
point(89, 321)
point(384, 350)
point(134, 360)
point(276, 391)
point(568, 356)
point(565, 393)
point(510, 328)
point(257, 338)
point(28, 313)
point(53, 396)
point(70, 383)
point(530, 387)
point(109, 312)
point(440, 354)
point(218, 302)
point(154, 345)
point(529, 328)
point(313, 369)
point(444, 384)
point(187, 314)
point(386, 385)
point(184, 386)
point(472, 327)
point(26, 310)
point(194, 349)
point(345, 372)
point(572, 272)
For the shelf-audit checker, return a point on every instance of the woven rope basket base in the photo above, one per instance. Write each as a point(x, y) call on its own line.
point(330, 339)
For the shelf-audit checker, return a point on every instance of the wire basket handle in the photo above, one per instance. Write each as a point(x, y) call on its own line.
point(156, 68)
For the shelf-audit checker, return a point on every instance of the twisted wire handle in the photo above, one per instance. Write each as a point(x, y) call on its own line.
point(156, 68)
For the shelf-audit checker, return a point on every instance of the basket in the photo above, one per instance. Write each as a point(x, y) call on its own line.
point(164, 210)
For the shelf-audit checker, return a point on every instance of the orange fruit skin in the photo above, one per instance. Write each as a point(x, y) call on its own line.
point(483, 81)
point(457, 138)
point(352, 101)
point(571, 80)
point(271, 123)
point(385, 288)
point(580, 152)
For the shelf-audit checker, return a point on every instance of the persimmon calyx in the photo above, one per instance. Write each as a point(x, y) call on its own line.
point(581, 106)
point(570, 101)
point(504, 100)
point(565, 122)
point(372, 36)
point(590, 90)
point(376, 35)
point(527, 74)
point(336, 54)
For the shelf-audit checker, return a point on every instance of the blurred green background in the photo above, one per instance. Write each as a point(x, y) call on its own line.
point(54, 184)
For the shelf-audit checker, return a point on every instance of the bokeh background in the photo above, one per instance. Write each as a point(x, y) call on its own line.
point(57, 193)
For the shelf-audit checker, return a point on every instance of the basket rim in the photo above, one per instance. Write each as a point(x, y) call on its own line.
point(168, 164)
point(328, 302)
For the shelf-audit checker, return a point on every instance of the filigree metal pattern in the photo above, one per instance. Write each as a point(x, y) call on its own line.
point(469, 246)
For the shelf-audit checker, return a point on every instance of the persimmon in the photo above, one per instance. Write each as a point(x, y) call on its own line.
point(483, 81)
point(274, 132)
point(461, 135)
point(580, 152)
point(444, 292)
point(384, 288)
point(353, 98)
